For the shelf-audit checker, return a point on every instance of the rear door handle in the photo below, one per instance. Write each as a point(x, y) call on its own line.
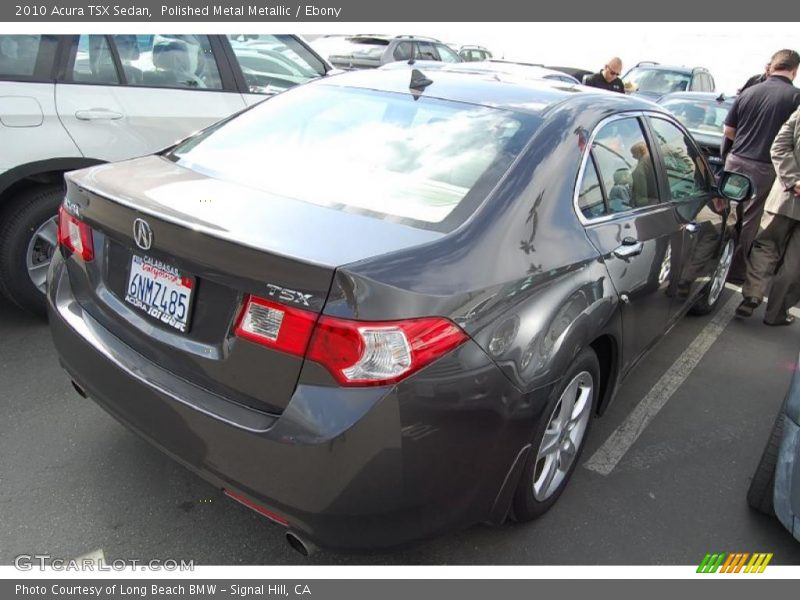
point(97, 114)
point(630, 247)
point(692, 227)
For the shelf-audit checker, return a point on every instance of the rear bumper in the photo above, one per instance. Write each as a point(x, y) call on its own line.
point(349, 468)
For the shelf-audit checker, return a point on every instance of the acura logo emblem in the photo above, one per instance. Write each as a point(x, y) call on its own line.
point(142, 234)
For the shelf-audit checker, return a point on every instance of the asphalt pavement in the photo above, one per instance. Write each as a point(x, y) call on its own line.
point(74, 481)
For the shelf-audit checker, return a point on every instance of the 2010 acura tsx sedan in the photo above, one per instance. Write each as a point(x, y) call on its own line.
point(387, 305)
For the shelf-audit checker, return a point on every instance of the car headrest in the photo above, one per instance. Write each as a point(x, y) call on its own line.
point(127, 47)
point(172, 55)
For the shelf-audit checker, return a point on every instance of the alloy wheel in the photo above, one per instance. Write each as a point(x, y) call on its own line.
point(563, 436)
point(40, 252)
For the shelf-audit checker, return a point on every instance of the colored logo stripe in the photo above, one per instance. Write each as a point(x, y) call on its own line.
point(734, 562)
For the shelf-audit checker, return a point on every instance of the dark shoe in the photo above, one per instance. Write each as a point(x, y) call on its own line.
point(748, 305)
point(787, 320)
point(735, 279)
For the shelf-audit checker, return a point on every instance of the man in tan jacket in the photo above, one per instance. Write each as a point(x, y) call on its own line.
point(779, 236)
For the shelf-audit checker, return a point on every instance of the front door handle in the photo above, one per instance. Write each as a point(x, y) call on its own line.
point(630, 247)
point(692, 227)
point(97, 114)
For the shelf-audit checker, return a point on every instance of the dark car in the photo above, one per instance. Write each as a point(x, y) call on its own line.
point(775, 487)
point(372, 51)
point(575, 72)
point(653, 80)
point(386, 305)
point(703, 114)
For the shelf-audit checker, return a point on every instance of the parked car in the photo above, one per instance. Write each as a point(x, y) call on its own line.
point(775, 487)
point(70, 101)
point(703, 114)
point(372, 51)
point(474, 53)
point(497, 67)
point(387, 305)
point(576, 72)
point(653, 80)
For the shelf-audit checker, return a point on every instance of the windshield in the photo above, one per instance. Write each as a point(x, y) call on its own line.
point(657, 81)
point(699, 116)
point(384, 154)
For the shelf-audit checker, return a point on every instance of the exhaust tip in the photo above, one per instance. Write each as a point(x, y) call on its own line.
point(300, 545)
point(79, 389)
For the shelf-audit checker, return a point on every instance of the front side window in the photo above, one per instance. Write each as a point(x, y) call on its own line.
point(686, 171)
point(168, 60)
point(381, 154)
point(446, 54)
point(625, 165)
point(94, 62)
point(18, 55)
point(274, 63)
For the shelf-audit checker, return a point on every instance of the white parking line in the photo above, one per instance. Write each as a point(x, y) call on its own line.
point(611, 452)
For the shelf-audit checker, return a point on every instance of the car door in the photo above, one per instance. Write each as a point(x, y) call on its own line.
point(265, 65)
point(701, 214)
point(619, 201)
point(127, 95)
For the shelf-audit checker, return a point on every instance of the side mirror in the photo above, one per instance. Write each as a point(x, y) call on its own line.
point(735, 186)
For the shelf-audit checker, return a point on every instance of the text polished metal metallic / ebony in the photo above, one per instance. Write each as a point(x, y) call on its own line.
point(375, 313)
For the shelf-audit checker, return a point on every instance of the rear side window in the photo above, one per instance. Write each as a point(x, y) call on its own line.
point(403, 51)
point(625, 165)
point(18, 55)
point(426, 51)
point(168, 60)
point(590, 197)
point(94, 62)
point(375, 153)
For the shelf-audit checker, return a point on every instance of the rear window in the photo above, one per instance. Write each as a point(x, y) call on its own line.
point(426, 162)
point(18, 54)
point(698, 116)
point(658, 81)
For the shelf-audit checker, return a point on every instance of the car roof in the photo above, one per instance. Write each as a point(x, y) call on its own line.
point(704, 96)
point(660, 67)
point(516, 94)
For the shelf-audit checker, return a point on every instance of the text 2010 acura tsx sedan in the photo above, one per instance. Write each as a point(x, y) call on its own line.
point(387, 305)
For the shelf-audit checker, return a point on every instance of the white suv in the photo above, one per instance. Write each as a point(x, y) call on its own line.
point(70, 101)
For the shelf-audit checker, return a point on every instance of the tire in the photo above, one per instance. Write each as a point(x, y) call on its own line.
point(762, 486)
point(19, 221)
point(527, 506)
point(709, 299)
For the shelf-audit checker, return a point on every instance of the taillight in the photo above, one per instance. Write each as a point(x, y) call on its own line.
point(275, 325)
point(75, 235)
point(356, 353)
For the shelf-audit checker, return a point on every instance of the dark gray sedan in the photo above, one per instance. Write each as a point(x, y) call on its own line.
point(388, 305)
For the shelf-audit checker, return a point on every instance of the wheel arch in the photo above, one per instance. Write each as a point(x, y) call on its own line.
point(42, 172)
point(606, 347)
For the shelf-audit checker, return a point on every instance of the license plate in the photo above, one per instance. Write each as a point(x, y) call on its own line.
point(161, 291)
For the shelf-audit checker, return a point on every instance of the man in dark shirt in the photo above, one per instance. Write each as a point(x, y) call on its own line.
point(750, 128)
point(608, 78)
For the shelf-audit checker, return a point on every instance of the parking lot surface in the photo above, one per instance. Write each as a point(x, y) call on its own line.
point(74, 481)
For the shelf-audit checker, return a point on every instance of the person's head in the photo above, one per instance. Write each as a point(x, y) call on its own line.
point(639, 150)
point(785, 63)
point(613, 69)
point(622, 177)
